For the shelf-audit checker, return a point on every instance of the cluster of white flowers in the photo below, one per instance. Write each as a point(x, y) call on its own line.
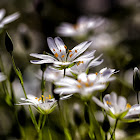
point(68, 71)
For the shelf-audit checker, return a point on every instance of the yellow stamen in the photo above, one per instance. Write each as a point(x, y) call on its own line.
point(128, 106)
point(109, 103)
point(96, 73)
point(71, 55)
point(79, 81)
point(43, 100)
point(54, 50)
point(76, 51)
point(91, 84)
point(78, 63)
point(79, 86)
point(49, 96)
point(62, 56)
point(36, 98)
point(56, 54)
point(70, 50)
point(46, 97)
point(42, 96)
point(65, 47)
point(87, 84)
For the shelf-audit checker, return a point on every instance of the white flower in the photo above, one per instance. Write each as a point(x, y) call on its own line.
point(8, 19)
point(2, 77)
point(81, 28)
point(44, 105)
point(83, 66)
point(51, 74)
point(85, 85)
point(62, 58)
point(117, 107)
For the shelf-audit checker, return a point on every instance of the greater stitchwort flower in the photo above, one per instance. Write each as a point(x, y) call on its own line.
point(81, 28)
point(62, 58)
point(83, 66)
point(85, 85)
point(117, 107)
point(8, 19)
point(44, 105)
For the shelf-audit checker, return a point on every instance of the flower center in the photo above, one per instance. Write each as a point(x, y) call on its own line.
point(43, 98)
point(109, 103)
point(80, 62)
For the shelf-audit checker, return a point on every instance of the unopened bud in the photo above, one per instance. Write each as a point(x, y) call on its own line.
point(136, 79)
point(106, 124)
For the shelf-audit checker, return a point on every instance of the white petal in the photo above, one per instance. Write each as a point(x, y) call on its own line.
point(95, 88)
point(82, 77)
point(121, 103)
point(10, 18)
point(66, 97)
point(41, 61)
point(99, 103)
point(80, 49)
point(60, 44)
point(53, 46)
point(42, 56)
point(2, 13)
point(66, 90)
point(67, 82)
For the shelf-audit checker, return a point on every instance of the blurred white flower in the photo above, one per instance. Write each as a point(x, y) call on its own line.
point(85, 85)
point(51, 74)
point(62, 58)
point(8, 19)
point(117, 107)
point(81, 28)
point(2, 77)
point(44, 105)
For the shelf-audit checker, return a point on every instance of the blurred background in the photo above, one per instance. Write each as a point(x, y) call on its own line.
point(117, 38)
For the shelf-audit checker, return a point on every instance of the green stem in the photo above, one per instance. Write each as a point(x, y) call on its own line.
point(138, 97)
point(17, 71)
point(113, 133)
point(20, 78)
point(66, 131)
point(105, 136)
point(50, 136)
point(40, 135)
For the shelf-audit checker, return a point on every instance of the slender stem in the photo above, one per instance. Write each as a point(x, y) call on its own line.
point(105, 136)
point(66, 131)
point(17, 71)
point(64, 72)
point(138, 97)
point(113, 133)
point(50, 136)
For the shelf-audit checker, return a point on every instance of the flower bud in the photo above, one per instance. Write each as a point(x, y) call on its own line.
point(106, 124)
point(136, 79)
point(8, 43)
